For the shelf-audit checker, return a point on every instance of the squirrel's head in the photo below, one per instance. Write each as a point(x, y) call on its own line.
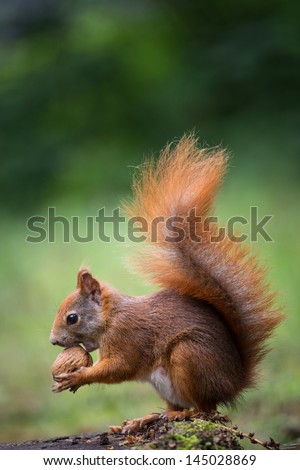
point(78, 319)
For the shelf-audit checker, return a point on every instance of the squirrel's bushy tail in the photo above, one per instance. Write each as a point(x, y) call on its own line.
point(174, 192)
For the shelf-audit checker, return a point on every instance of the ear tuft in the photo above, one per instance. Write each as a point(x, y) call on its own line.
point(83, 275)
point(88, 284)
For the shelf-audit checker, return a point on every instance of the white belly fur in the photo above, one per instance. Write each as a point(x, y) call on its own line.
point(162, 383)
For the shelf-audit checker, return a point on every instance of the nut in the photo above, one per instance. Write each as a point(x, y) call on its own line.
point(71, 359)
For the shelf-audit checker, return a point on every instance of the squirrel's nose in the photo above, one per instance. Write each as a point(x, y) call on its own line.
point(53, 339)
point(57, 340)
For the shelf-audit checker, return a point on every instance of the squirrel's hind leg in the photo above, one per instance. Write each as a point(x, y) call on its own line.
point(188, 371)
point(132, 426)
point(136, 425)
point(175, 413)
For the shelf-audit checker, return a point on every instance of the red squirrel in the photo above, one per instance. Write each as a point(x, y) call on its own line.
point(199, 339)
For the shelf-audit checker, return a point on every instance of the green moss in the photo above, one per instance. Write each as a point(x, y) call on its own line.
point(197, 434)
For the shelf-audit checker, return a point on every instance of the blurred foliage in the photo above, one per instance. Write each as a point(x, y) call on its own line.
point(87, 88)
point(85, 83)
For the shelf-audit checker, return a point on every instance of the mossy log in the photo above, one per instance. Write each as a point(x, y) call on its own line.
point(188, 435)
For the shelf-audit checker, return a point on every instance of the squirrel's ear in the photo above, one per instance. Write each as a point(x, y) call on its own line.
point(88, 285)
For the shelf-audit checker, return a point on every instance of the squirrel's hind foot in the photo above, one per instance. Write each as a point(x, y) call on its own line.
point(182, 415)
point(132, 426)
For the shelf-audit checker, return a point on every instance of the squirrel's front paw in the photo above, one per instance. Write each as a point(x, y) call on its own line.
point(71, 381)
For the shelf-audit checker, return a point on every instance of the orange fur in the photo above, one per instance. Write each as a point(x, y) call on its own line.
point(224, 274)
point(199, 340)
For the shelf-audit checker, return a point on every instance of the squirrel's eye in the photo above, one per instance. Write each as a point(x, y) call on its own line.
point(72, 319)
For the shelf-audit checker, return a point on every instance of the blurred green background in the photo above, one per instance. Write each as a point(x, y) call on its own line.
point(87, 89)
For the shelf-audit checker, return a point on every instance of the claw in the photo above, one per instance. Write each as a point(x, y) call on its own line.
point(114, 429)
point(56, 388)
point(69, 381)
point(62, 377)
point(177, 415)
point(133, 426)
